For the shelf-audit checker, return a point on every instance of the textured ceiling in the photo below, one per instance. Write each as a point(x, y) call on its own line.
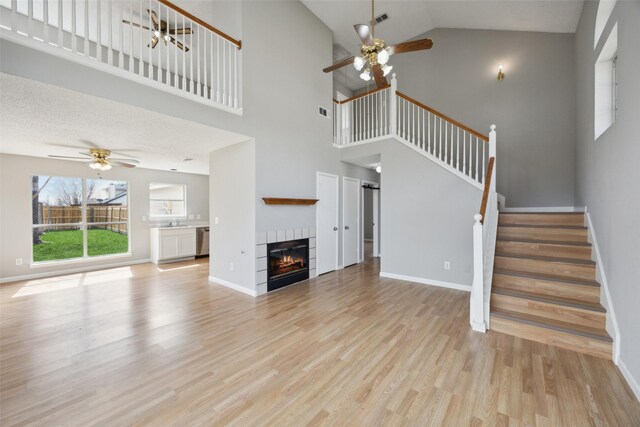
point(409, 19)
point(37, 119)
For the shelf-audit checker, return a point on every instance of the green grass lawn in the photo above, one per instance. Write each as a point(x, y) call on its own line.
point(68, 244)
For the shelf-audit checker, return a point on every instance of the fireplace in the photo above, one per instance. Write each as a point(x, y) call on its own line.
point(288, 263)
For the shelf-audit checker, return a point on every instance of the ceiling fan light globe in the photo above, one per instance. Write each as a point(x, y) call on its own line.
point(156, 33)
point(366, 76)
point(105, 167)
point(383, 57)
point(358, 63)
point(386, 69)
point(94, 165)
point(379, 169)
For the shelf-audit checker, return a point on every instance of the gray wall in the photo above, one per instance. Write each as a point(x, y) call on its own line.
point(533, 107)
point(15, 207)
point(426, 215)
point(608, 170)
point(232, 183)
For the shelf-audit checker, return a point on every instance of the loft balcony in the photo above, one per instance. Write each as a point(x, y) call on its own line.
point(152, 42)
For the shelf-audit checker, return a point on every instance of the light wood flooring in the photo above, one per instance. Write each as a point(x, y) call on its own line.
point(149, 345)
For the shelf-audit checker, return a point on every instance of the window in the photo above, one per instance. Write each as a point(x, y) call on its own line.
point(78, 218)
point(605, 84)
point(167, 201)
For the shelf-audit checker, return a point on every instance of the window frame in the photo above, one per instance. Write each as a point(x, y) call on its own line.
point(82, 225)
point(160, 217)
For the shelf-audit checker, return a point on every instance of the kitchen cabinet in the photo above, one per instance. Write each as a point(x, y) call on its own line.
point(170, 244)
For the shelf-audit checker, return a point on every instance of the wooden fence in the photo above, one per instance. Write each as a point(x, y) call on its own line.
point(53, 215)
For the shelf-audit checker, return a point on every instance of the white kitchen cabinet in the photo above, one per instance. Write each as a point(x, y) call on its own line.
point(172, 244)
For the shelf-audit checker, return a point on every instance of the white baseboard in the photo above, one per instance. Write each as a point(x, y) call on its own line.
point(233, 286)
point(605, 287)
point(423, 281)
point(543, 209)
point(635, 387)
point(72, 271)
point(340, 267)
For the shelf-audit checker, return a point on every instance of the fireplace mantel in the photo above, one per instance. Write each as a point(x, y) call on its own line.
point(286, 201)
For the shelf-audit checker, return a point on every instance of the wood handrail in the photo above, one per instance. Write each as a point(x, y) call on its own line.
point(447, 118)
point(487, 187)
point(202, 23)
point(353, 98)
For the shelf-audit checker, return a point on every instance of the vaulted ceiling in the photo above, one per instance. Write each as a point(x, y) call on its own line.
point(409, 19)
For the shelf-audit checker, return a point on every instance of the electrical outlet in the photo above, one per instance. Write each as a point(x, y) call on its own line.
point(18, 261)
point(231, 266)
point(198, 216)
point(191, 216)
point(447, 265)
point(216, 220)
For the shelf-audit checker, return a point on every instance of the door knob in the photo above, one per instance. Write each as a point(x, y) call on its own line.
point(346, 227)
point(335, 228)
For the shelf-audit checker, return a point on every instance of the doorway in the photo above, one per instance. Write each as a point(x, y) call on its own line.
point(327, 220)
point(370, 220)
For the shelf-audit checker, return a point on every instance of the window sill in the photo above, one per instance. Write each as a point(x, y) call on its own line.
point(83, 260)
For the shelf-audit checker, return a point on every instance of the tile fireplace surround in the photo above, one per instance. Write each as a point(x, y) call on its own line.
point(265, 237)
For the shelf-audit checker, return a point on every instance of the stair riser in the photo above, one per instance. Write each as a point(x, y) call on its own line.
point(578, 235)
point(541, 219)
point(551, 337)
point(573, 315)
point(544, 249)
point(584, 293)
point(560, 269)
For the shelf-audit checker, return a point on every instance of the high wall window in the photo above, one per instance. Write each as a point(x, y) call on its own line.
point(76, 218)
point(605, 81)
point(167, 201)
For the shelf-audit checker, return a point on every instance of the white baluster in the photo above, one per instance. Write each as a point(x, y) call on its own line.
point(476, 311)
point(457, 148)
point(120, 25)
point(167, 72)
point(150, 65)
point(141, 66)
point(235, 77)
point(110, 33)
point(131, 51)
point(86, 28)
point(14, 15)
point(464, 152)
point(393, 108)
point(74, 29)
point(45, 20)
point(60, 25)
point(477, 158)
point(192, 82)
point(446, 141)
point(218, 69)
point(492, 153)
point(198, 87)
point(98, 30)
point(211, 77)
point(481, 161)
point(440, 151)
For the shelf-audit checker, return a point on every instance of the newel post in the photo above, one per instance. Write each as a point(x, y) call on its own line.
point(393, 116)
point(476, 306)
point(492, 153)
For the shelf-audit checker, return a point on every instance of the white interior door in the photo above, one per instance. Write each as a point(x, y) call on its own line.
point(376, 223)
point(350, 220)
point(326, 223)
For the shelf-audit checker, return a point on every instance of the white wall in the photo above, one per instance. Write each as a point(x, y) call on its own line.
point(608, 172)
point(15, 208)
point(426, 215)
point(533, 107)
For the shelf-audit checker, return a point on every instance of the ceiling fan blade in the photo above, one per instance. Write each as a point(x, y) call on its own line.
point(179, 31)
point(154, 18)
point(378, 75)
point(126, 165)
point(340, 64)
point(411, 46)
point(68, 157)
point(177, 43)
point(124, 21)
point(364, 32)
point(154, 42)
point(118, 159)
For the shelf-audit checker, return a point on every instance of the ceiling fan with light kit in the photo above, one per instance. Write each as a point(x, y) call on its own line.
point(161, 31)
point(100, 159)
point(375, 53)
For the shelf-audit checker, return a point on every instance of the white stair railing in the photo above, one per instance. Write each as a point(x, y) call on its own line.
point(485, 230)
point(110, 35)
point(386, 112)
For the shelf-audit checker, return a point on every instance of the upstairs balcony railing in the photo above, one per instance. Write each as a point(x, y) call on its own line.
point(191, 58)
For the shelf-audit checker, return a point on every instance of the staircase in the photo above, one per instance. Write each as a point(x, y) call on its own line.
point(544, 286)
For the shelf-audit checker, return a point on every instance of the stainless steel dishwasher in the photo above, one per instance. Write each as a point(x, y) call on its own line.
point(202, 241)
